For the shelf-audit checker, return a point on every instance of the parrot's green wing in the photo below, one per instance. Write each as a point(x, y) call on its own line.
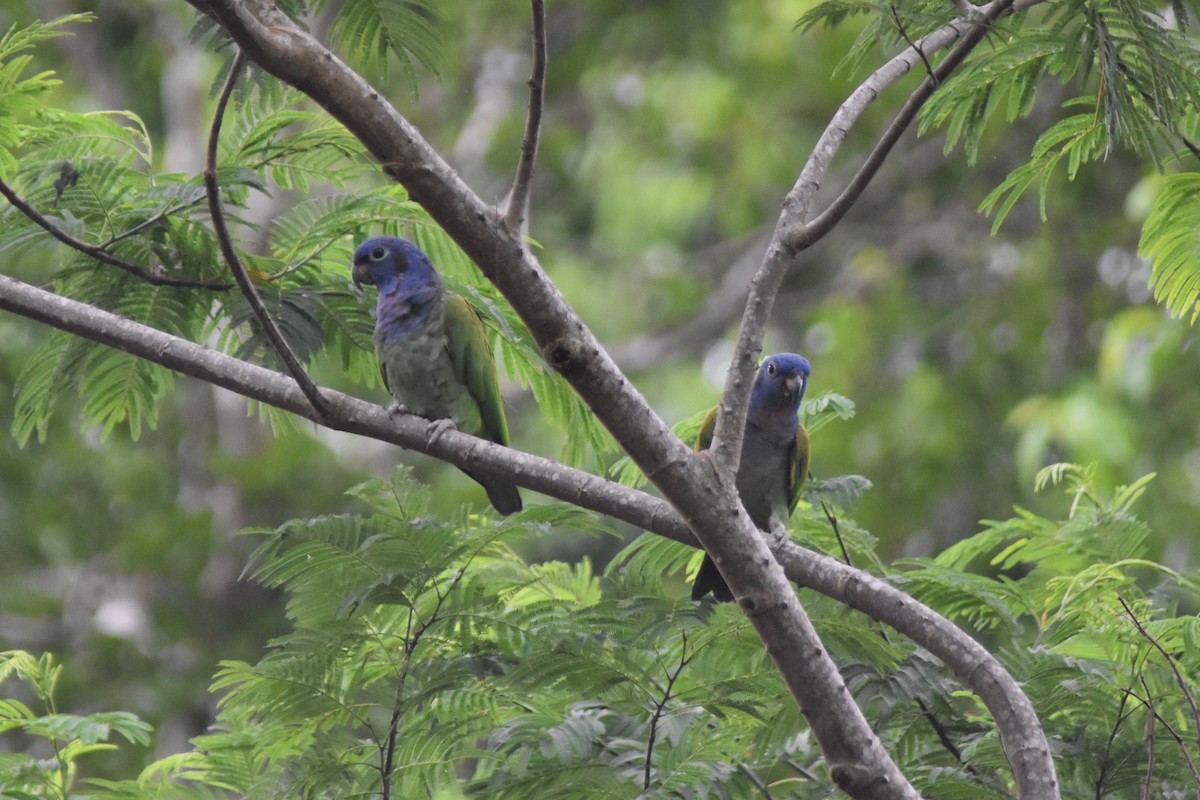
point(475, 366)
point(798, 458)
point(704, 437)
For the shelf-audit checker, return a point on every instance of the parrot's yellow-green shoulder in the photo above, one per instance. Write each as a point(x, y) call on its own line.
point(474, 365)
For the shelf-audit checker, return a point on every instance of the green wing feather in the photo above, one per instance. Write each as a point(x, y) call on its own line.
point(799, 472)
point(704, 437)
point(475, 366)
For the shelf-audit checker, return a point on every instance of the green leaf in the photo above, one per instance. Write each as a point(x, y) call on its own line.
point(376, 31)
point(1171, 241)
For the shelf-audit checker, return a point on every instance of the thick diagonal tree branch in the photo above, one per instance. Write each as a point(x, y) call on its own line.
point(708, 505)
point(711, 508)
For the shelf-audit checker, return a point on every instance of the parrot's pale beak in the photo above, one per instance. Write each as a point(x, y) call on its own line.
point(794, 383)
point(360, 274)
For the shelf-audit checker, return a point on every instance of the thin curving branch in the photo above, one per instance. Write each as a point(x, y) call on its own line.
point(290, 361)
point(518, 196)
point(807, 235)
point(1021, 734)
point(1148, 703)
point(1107, 763)
point(411, 640)
point(1146, 791)
point(99, 252)
point(149, 222)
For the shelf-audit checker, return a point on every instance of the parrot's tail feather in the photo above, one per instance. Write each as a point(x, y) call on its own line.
point(708, 579)
point(503, 495)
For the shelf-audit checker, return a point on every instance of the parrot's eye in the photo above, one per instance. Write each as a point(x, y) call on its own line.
point(378, 254)
point(770, 367)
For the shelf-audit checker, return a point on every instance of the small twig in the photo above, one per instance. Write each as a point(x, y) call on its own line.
point(833, 523)
point(146, 223)
point(1187, 692)
point(285, 352)
point(758, 782)
point(518, 197)
point(99, 252)
point(661, 706)
point(916, 47)
point(1151, 753)
point(801, 770)
point(388, 763)
point(1112, 736)
point(943, 735)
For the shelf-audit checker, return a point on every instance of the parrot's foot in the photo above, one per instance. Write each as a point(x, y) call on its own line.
point(439, 427)
point(396, 409)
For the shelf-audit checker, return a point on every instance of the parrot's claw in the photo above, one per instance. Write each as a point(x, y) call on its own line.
point(438, 427)
point(396, 409)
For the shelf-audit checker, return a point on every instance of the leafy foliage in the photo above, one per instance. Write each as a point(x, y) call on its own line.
point(376, 31)
point(1137, 65)
point(18, 95)
point(1171, 240)
point(69, 737)
point(427, 655)
point(423, 649)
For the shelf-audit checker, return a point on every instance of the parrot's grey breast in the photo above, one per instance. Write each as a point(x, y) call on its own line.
point(419, 374)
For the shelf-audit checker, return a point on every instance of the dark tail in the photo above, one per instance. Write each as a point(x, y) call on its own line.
point(503, 494)
point(708, 579)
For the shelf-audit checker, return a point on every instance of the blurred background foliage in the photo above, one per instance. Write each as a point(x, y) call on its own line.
point(672, 131)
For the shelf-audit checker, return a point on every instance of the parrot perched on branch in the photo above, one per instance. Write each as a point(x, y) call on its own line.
point(775, 454)
point(433, 351)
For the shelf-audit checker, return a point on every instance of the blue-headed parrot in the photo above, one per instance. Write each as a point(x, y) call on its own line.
point(433, 350)
point(775, 453)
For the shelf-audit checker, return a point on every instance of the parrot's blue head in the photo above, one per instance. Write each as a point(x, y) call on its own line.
point(392, 263)
point(780, 383)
